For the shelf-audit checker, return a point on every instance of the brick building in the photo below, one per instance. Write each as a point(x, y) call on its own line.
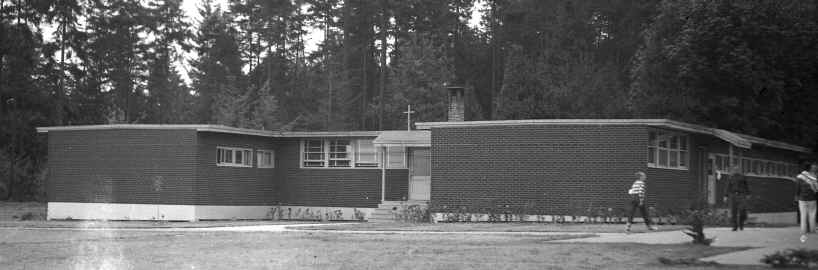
point(540, 167)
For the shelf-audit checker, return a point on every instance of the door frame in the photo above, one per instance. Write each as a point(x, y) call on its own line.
point(410, 151)
point(711, 179)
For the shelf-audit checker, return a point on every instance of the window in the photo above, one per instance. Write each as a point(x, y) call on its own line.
point(339, 153)
point(313, 153)
point(756, 167)
point(265, 159)
point(395, 157)
point(668, 150)
point(366, 154)
point(234, 157)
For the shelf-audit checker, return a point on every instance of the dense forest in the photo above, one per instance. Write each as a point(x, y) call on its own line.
point(747, 66)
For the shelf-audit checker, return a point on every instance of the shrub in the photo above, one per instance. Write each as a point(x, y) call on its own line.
point(696, 219)
point(413, 213)
point(792, 258)
point(685, 262)
point(31, 216)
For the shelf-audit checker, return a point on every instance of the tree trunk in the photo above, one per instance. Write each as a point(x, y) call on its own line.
point(384, 47)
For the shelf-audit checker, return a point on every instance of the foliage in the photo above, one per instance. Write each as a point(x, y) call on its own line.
point(745, 66)
point(685, 262)
point(413, 213)
point(801, 257)
point(696, 219)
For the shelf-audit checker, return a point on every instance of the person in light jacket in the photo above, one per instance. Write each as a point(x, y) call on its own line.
point(806, 186)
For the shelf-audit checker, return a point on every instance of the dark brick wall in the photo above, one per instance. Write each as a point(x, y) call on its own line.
point(221, 185)
point(334, 187)
point(122, 166)
point(672, 188)
point(552, 169)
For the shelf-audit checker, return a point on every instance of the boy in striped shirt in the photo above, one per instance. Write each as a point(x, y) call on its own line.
point(637, 193)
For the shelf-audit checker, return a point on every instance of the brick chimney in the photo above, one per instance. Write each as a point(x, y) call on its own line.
point(457, 104)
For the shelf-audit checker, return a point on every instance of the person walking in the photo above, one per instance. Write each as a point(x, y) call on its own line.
point(738, 193)
point(806, 186)
point(637, 193)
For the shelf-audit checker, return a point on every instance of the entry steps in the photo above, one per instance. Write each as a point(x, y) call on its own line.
point(386, 211)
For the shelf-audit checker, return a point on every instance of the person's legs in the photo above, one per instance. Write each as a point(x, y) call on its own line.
point(644, 210)
point(742, 213)
point(734, 214)
point(802, 208)
point(811, 209)
point(633, 205)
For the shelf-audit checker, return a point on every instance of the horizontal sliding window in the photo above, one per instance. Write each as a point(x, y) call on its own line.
point(367, 154)
point(313, 153)
point(668, 150)
point(339, 153)
point(756, 167)
point(234, 156)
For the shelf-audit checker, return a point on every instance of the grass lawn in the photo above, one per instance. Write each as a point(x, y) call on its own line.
point(64, 249)
point(491, 227)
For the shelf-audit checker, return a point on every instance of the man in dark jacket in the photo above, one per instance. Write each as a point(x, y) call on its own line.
point(738, 193)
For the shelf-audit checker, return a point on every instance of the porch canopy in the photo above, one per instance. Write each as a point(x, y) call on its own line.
point(413, 138)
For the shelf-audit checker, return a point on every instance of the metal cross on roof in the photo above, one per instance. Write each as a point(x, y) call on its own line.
point(409, 113)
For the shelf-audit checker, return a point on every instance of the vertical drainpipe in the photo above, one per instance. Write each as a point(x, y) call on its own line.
point(383, 174)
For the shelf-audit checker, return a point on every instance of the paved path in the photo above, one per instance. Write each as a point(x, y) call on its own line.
point(764, 240)
point(295, 228)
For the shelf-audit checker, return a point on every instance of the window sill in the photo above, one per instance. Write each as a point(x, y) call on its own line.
point(669, 168)
point(233, 165)
point(341, 168)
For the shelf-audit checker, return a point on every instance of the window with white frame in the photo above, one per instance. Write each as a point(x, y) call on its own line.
point(366, 154)
point(395, 157)
point(265, 159)
point(668, 150)
point(234, 156)
point(313, 155)
point(339, 153)
point(756, 167)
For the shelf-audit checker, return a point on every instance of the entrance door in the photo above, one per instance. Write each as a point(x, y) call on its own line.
point(420, 174)
point(711, 179)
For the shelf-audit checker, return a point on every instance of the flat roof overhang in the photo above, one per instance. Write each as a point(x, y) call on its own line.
point(414, 138)
point(736, 139)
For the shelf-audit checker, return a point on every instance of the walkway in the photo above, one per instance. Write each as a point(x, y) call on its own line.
point(764, 240)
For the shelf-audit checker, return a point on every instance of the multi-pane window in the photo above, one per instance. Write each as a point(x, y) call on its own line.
point(756, 167)
point(367, 155)
point(313, 153)
point(339, 153)
point(668, 150)
point(234, 156)
point(265, 159)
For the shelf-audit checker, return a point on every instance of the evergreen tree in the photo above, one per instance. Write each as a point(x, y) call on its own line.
point(217, 75)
